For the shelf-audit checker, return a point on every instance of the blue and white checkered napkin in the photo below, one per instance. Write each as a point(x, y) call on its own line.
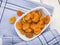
point(7, 32)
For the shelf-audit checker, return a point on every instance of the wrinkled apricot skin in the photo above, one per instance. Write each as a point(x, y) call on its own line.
point(42, 18)
point(22, 32)
point(40, 23)
point(32, 26)
point(39, 12)
point(28, 30)
point(23, 20)
point(37, 32)
point(19, 25)
point(29, 35)
point(29, 21)
point(47, 19)
point(26, 26)
point(35, 17)
point(19, 12)
point(42, 26)
point(12, 19)
point(27, 17)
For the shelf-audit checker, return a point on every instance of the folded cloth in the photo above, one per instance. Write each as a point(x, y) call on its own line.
point(7, 31)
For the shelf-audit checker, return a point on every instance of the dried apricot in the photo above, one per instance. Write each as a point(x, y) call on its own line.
point(42, 18)
point(12, 19)
point(23, 20)
point(22, 32)
point(28, 30)
point(37, 32)
point(29, 21)
point(27, 17)
point(36, 17)
point(32, 26)
point(36, 28)
point(29, 35)
point(26, 26)
point(42, 26)
point(47, 19)
point(19, 12)
point(39, 12)
point(19, 25)
point(40, 22)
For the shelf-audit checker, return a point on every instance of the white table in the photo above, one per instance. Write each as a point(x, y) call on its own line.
point(56, 14)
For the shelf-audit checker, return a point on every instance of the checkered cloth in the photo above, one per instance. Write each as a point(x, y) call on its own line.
point(8, 9)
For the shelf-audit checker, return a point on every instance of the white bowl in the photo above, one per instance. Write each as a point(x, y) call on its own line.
point(45, 11)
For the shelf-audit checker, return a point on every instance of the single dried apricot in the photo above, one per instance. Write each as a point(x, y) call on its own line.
point(26, 26)
point(36, 17)
point(23, 20)
point(39, 12)
point(29, 35)
point(37, 32)
point(36, 28)
point(40, 22)
point(27, 17)
point(19, 25)
point(12, 19)
point(22, 32)
point(42, 18)
point(29, 21)
point(42, 26)
point(28, 30)
point(19, 12)
point(32, 26)
point(47, 19)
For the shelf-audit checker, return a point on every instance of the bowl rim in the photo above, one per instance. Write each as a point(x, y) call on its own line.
point(27, 13)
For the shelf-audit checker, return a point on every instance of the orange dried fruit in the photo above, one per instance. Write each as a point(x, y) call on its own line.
point(23, 20)
point(42, 26)
point(26, 26)
point(12, 19)
point(19, 25)
point(28, 30)
point(35, 17)
point(22, 32)
point(37, 32)
point(47, 19)
point(29, 21)
point(27, 17)
point(42, 18)
point(39, 12)
point(40, 22)
point(36, 28)
point(29, 35)
point(32, 26)
point(19, 12)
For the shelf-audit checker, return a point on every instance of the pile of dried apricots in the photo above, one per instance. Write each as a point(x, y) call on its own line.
point(32, 23)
